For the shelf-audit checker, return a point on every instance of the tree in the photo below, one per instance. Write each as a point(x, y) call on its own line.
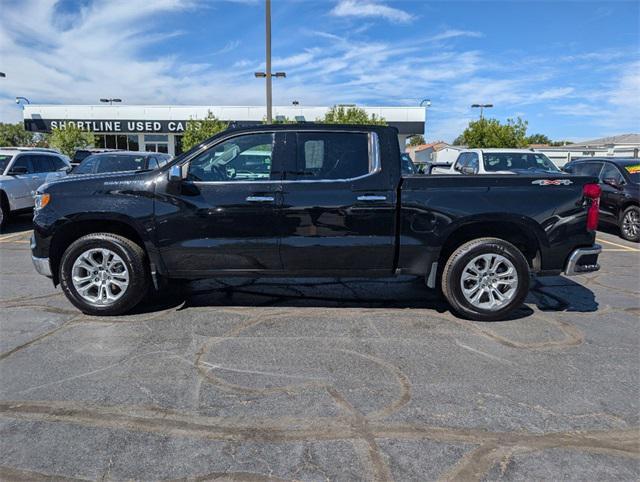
point(417, 140)
point(198, 130)
point(538, 139)
point(69, 138)
point(491, 133)
point(458, 141)
point(339, 114)
point(15, 135)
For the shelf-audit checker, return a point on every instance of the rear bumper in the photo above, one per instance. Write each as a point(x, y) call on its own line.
point(583, 260)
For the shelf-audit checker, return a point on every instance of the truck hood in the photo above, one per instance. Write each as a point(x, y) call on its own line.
point(5, 178)
point(96, 181)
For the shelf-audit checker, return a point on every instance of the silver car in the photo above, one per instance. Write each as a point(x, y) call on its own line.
point(22, 171)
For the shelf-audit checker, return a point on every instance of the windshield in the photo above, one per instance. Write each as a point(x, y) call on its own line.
point(100, 163)
point(510, 161)
point(4, 161)
point(633, 171)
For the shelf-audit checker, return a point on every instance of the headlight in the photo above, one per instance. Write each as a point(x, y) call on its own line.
point(42, 200)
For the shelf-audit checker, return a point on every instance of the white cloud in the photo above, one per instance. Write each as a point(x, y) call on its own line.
point(369, 8)
point(448, 34)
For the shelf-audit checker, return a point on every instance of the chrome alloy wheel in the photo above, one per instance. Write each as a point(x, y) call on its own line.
point(100, 276)
point(489, 281)
point(631, 223)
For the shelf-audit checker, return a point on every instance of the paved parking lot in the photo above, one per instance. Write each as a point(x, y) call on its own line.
point(321, 380)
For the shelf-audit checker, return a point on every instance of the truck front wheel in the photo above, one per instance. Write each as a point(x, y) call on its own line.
point(486, 279)
point(104, 274)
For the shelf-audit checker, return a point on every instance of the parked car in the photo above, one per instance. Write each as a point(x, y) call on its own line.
point(333, 202)
point(620, 184)
point(121, 161)
point(22, 171)
point(81, 154)
point(499, 161)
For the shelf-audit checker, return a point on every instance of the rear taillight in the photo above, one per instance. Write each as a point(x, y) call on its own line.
point(592, 193)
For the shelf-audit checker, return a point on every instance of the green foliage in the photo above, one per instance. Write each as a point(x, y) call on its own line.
point(491, 133)
point(70, 138)
point(15, 135)
point(538, 139)
point(417, 140)
point(198, 130)
point(339, 114)
point(458, 141)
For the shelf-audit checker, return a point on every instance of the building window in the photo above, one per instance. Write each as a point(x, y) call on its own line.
point(156, 143)
point(119, 141)
point(178, 145)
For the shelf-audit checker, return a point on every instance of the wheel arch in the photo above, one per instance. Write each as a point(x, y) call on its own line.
point(74, 229)
point(519, 231)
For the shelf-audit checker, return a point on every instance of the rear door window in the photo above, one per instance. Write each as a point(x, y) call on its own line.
point(332, 155)
point(609, 171)
point(42, 163)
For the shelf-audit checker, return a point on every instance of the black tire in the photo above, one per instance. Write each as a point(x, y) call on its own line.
point(134, 259)
point(629, 228)
point(4, 211)
point(459, 259)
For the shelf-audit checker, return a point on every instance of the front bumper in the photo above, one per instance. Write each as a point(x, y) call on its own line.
point(583, 260)
point(42, 266)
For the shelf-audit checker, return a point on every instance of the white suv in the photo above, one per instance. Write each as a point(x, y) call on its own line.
point(499, 161)
point(22, 171)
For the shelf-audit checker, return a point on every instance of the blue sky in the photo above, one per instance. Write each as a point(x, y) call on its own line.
point(571, 69)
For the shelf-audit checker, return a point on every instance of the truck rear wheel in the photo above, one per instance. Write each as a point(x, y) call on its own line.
point(104, 274)
point(486, 279)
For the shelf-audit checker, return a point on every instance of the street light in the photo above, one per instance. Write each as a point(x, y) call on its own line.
point(110, 101)
point(2, 74)
point(267, 74)
point(18, 99)
point(482, 107)
point(295, 102)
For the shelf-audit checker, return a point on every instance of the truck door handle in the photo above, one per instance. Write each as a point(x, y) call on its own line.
point(260, 199)
point(372, 198)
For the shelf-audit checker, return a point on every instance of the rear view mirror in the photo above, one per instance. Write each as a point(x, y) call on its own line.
point(16, 171)
point(176, 173)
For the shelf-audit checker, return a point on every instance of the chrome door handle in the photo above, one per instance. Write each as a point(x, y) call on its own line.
point(260, 199)
point(372, 198)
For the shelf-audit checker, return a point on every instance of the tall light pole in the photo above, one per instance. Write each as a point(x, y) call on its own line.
point(427, 104)
point(110, 101)
point(24, 99)
point(482, 107)
point(267, 74)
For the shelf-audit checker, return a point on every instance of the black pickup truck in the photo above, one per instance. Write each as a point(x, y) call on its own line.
point(311, 200)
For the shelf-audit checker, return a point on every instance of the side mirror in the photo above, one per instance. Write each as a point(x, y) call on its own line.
point(612, 182)
point(18, 170)
point(176, 173)
point(470, 171)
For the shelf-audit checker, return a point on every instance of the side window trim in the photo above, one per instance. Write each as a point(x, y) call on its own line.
point(375, 164)
point(374, 159)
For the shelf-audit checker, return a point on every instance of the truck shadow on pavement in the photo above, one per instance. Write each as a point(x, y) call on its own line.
point(547, 294)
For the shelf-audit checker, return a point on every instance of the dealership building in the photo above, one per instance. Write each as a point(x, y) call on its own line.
point(159, 128)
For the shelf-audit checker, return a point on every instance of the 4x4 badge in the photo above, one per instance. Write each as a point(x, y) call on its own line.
point(552, 182)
